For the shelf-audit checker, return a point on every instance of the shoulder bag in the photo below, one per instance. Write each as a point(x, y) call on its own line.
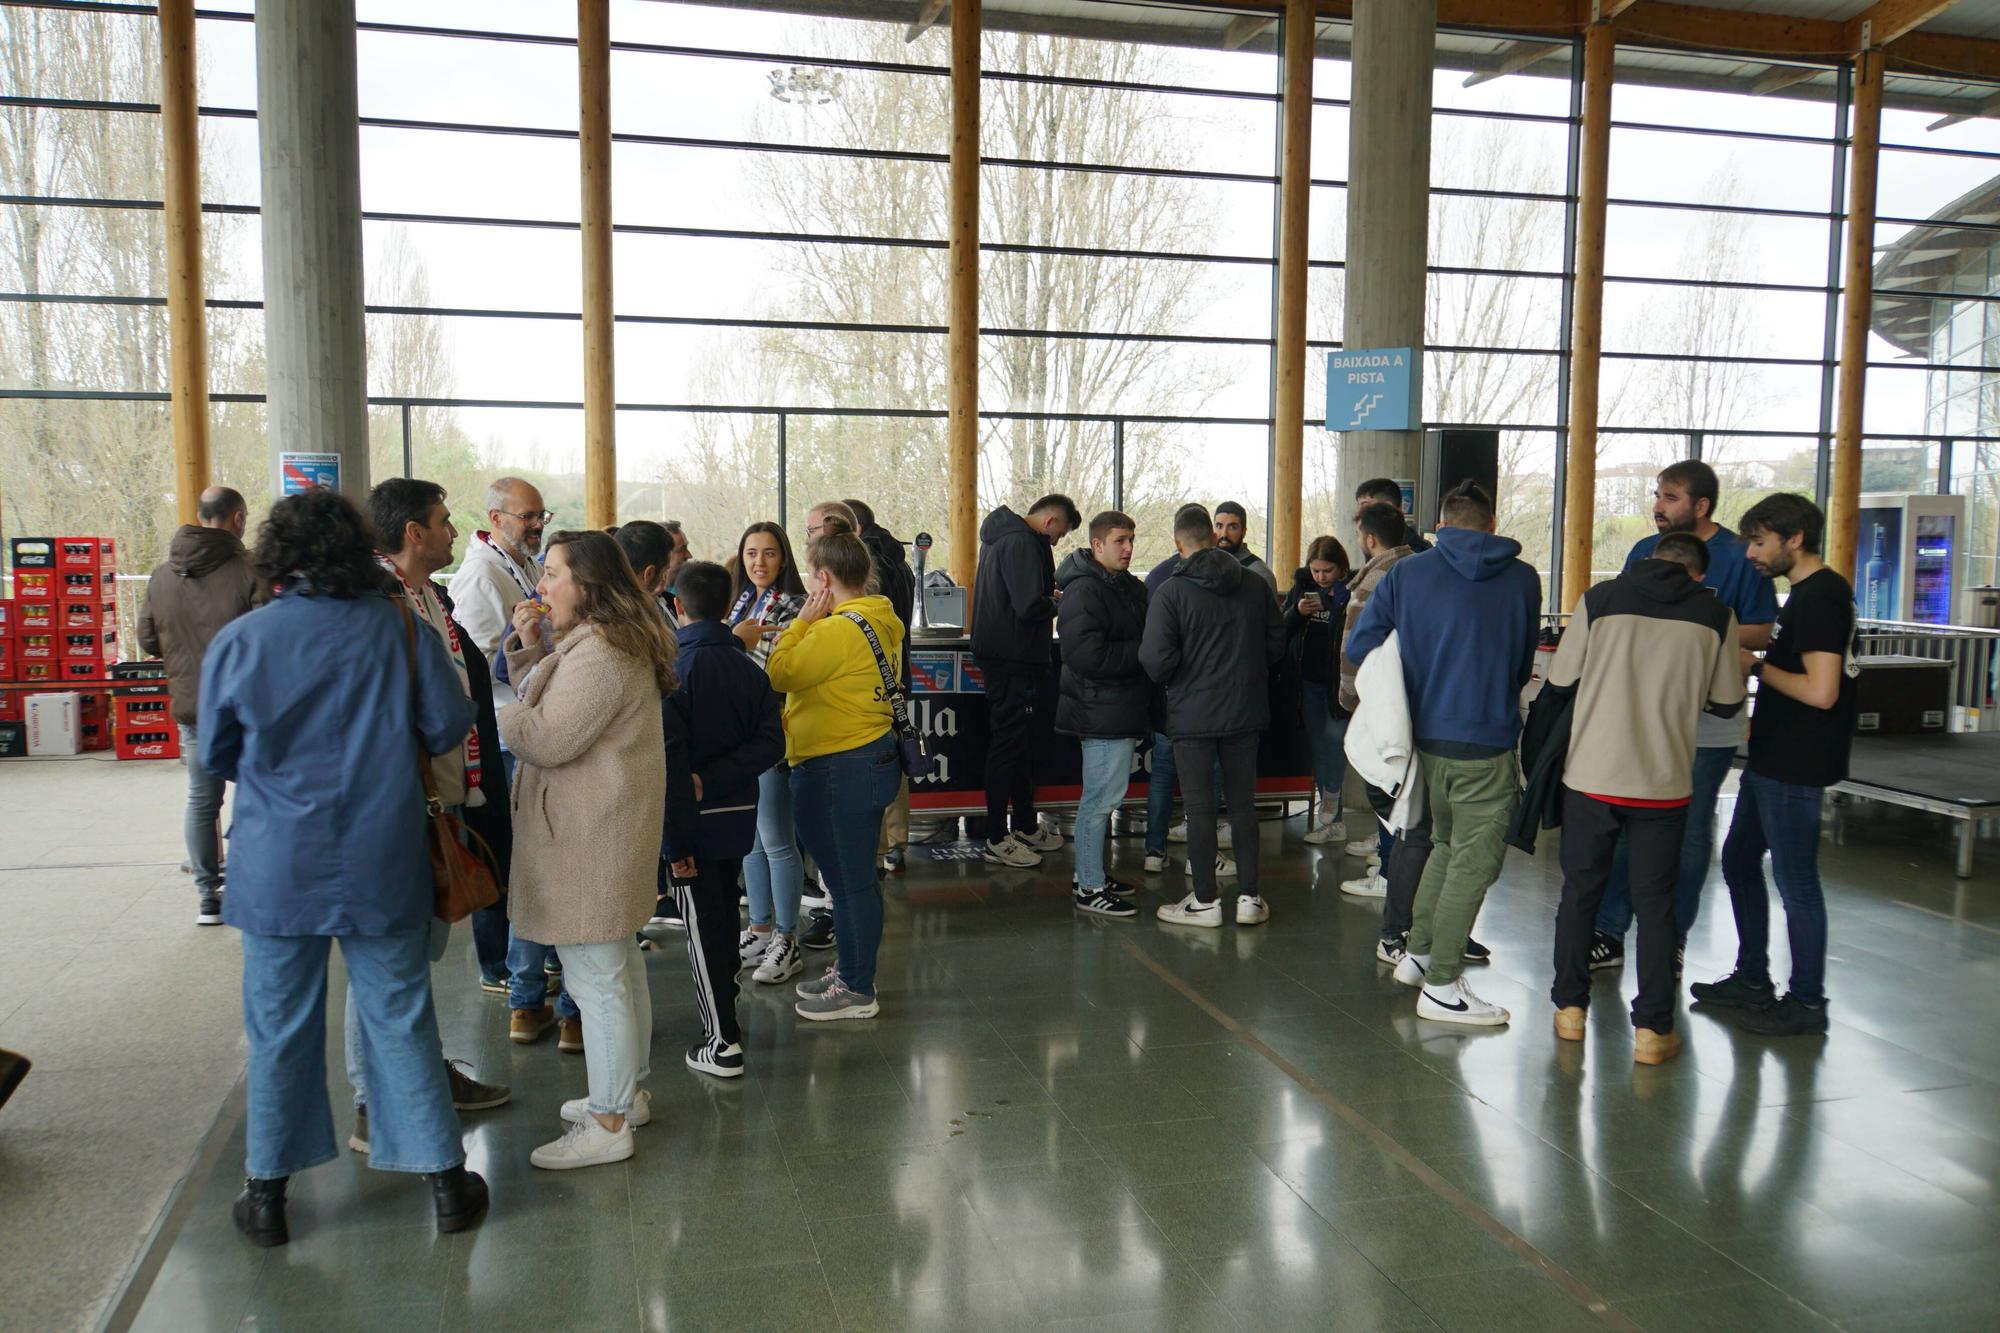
point(461, 862)
point(918, 763)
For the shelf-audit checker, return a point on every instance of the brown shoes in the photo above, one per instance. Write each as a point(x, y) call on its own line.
point(1569, 1022)
point(570, 1039)
point(1654, 1048)
point(528, 1025)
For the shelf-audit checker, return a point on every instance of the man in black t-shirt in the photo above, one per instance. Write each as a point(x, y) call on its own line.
point(1799, 737)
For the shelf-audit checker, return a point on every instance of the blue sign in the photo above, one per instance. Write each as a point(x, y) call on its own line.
point(299, 473)
point(1373, 389)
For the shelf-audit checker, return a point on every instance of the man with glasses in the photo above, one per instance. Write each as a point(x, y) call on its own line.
point(499, 570)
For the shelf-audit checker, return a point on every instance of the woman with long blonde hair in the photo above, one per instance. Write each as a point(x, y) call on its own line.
point(591, 658)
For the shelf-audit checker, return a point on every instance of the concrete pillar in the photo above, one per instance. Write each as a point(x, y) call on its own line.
point(1388, 208)
point(309, 152)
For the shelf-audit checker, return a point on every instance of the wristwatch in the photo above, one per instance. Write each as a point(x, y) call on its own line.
point(1757, 669)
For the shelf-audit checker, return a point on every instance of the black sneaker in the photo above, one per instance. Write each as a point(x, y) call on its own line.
point(1477, 953)
point(1110, 886)
point(706, 1057)
point(1102, 902)
point(1732, 992)
point(892, 861)
point(552, 965)
point(1606, 950)
point(667, 914)
point(1787, 1018)
point(817, 933)
point(209, 913)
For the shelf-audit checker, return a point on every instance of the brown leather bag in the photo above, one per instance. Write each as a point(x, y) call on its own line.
point(461, 862)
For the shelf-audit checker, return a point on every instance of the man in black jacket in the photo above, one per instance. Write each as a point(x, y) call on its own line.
point(897, 582)
point(1013, 612)
point(1105, 697)
point(1213, 633)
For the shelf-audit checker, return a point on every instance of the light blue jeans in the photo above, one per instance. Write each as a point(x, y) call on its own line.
point(1107, 772)
point(357, 1064)
point(204, 807)
point(772, 876)
point(608, 982)
point(289, 1124)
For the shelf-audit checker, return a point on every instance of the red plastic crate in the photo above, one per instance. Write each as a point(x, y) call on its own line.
point(10, 705)
point(142, 712)
point(94, 645)
point(88, 615)
point(6, 659)
point(87, 553)
point(162, 742)
point(34, 585)
point(6, 618)
point(82, 669)
point(84, 585)
point(34, 673)
point(33, 617)
point(34, 553)
point(39, 646)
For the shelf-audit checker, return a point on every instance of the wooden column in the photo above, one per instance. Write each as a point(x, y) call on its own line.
point(187, 317)
point(1294, 197)
point(1844, 489)
point(962, 339)
point(1587, 324)
point(600, 443)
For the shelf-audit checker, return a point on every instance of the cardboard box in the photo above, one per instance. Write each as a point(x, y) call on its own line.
point(84, 585)
point(13, 740)
point(39, 646)
point(93, 645)
point(34, 585)
point(54, 727)
point(34, 553)
point(88, 615)
point(152, 743)
point(33, 617)
point(87, 553)
point(82, 671)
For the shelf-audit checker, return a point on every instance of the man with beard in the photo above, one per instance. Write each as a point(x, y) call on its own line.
point(1799, 739)
point(1684, 500)
point(1231, 523)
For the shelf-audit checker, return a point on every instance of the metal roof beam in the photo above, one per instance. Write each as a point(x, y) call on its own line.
point(1514, 59)
point(1989, 107)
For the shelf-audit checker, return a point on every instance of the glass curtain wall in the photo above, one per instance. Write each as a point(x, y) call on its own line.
point(780, 260)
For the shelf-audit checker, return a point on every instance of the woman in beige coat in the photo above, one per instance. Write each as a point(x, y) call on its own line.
point(589, 794)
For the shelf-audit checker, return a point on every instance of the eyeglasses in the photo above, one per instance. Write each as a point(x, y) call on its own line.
point(534, 516)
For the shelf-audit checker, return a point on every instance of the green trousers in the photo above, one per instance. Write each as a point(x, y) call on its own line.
point(1471, 802)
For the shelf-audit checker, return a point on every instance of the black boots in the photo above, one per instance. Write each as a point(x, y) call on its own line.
point(260, 1212)
point(460, 1196)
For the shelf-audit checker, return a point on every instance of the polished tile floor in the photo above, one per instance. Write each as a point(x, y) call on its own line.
point(1075, 1123)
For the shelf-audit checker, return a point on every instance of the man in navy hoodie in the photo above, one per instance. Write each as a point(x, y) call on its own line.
point(724, 727)
point(1466, 615)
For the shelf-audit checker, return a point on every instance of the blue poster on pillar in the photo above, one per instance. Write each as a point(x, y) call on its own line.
point(1373, 388)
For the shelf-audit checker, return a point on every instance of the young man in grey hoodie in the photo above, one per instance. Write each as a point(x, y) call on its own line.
point(1213, 633)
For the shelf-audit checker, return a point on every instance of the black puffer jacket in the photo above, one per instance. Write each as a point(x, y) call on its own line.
point(1213, 633)
point(1100, 620)
point(892, 570)
point(1012, 605)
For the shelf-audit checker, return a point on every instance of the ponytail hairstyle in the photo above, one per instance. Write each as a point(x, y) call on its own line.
point(843, 557)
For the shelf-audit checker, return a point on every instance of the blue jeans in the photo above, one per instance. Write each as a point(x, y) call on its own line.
point(1107, 772)
point(528, 978)
point(1784, 820)
point(618, 1037)
point(204, 808)
point(838, 800)
point(289, 1123)
point(772, 876)
point(1160, 784)
point(437, 941)
point(1324, 735)
point(1614, 915)
point(489, 941)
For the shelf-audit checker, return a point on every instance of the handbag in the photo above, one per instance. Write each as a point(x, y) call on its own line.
point(461, 862)
point(917, 760)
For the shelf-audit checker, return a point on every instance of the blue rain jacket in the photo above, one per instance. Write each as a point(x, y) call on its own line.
point(307, 707)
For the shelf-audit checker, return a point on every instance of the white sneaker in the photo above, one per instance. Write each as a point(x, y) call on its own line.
point(1047, 837)
point(1326, 833)
point(1362, 847)
point(577, 1110)
point(1191, 911)
point(1224, 867)
point(1455, 1003)
point(817, 894)
point(1157, 861)
point(1251, 910)
point(1178, 833)
point(782, 961)
point(1410, 972)
point(1391, 951)
point(1223, 835)
point(1011, 851)
point(586, 1144)
point(750, 945)
point(1368, 886)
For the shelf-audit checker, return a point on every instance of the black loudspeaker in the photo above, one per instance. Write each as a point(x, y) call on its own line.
point(1450, 457)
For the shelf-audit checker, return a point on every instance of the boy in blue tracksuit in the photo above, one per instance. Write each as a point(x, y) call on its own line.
point(1467, 615)
point(724, 727)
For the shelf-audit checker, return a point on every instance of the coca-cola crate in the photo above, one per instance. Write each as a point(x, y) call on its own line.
point(94, 645)
point(33, 553)
point(34, 673)
point(36, 646)
point(72, 670)
point(85, 585)
point(88, 615)
point(34, 585)
point(163, 742)
point(87, 553)
point(33, 617)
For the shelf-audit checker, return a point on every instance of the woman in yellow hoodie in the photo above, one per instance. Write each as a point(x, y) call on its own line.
point(842, 751)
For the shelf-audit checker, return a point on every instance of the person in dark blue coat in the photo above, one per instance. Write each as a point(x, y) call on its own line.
point(308, 706)
point(724, 729)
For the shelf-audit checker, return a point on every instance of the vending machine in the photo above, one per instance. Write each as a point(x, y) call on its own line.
point(1909, 559)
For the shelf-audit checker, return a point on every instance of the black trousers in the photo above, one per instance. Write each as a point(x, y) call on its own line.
point(1589, 838)
point(1196, 759)
point(1404, 866)
point(1018, 705)
point(708, 905)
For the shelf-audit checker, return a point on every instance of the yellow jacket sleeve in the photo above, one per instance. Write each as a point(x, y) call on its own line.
point(801, 659)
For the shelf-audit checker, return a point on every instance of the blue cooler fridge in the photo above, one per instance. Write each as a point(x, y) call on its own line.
point(1910, 560)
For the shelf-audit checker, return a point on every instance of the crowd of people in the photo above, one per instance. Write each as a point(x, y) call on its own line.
point(638, 737)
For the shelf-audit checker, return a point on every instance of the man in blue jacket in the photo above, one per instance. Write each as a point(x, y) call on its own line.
point(724, 727)
point(1466, 614)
